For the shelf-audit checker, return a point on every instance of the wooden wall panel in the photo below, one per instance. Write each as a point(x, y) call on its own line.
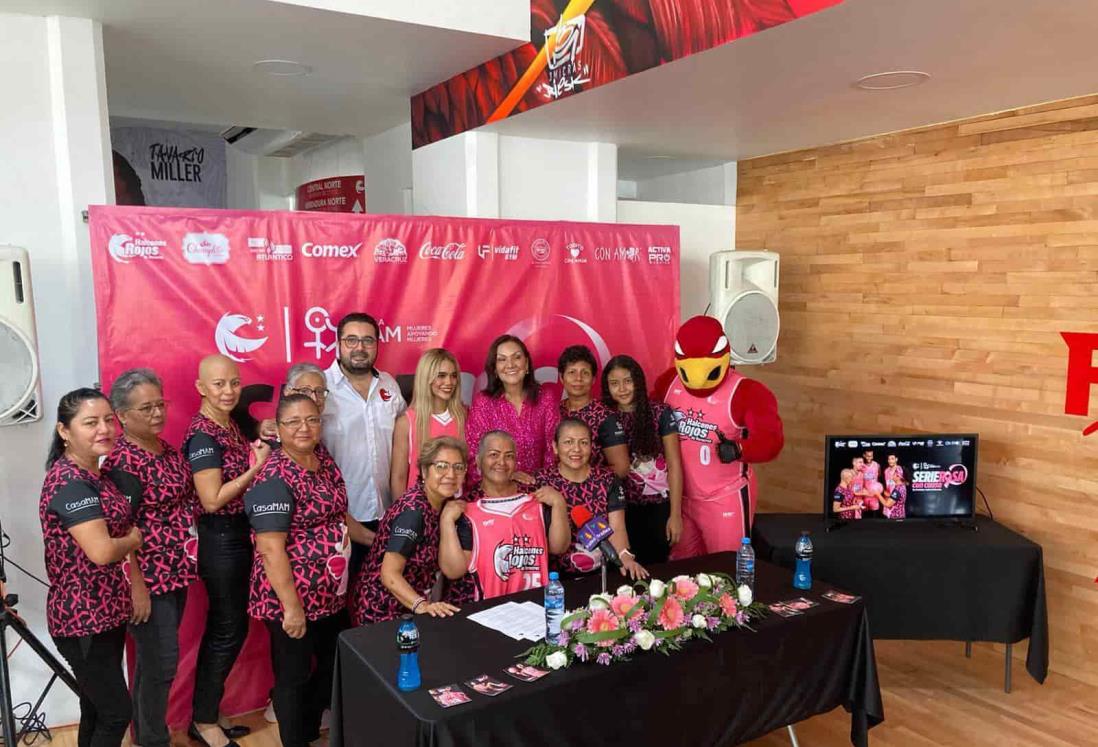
point(926, 276)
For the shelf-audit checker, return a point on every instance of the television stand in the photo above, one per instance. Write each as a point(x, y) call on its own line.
point(969, 524)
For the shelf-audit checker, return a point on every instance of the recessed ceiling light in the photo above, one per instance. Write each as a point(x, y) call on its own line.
point(892, 80)
point(657, 158)
point(282, 68)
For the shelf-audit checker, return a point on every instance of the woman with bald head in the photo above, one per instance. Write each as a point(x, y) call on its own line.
point(223, 464)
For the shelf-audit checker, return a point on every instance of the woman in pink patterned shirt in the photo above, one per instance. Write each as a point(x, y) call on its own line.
point(513, 401)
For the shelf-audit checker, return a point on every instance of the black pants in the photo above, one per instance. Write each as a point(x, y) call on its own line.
point(302, 691)
point(224, 565)
point(96, 662)
point(647, 527)
point(358, 552)
point(157, 643)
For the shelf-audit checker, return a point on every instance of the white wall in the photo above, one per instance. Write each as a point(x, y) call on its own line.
point(343, 157)
point(55, 148)
point(257, 183)
point(715, 185)
point(703, 229)
point(481, 174)
point(389, 171)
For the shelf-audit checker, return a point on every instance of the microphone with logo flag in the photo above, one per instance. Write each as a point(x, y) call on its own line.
point(594, 532)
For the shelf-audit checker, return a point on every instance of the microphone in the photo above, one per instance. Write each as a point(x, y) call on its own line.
point(594, 532)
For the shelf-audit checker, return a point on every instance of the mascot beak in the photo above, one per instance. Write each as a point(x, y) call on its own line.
point(700, 376)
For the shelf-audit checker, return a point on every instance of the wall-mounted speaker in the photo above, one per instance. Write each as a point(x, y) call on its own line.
point(20, 382)
point(743, 294)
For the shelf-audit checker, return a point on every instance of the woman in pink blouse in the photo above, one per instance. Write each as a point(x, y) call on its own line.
point(514, 402)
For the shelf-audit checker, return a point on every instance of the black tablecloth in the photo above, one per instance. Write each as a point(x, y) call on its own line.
point(739, 687)
point(926, 580)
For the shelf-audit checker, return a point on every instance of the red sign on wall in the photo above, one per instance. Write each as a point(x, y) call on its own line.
point(337, 194)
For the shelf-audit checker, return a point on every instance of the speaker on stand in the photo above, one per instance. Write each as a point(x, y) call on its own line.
point(743, 293)
point(20, 385)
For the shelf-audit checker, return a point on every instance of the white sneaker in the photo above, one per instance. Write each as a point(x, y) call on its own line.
point(269, 714)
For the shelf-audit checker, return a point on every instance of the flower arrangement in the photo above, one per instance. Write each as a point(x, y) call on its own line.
point(649, 615)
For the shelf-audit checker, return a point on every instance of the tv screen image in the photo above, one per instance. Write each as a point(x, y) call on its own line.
point(924, 476)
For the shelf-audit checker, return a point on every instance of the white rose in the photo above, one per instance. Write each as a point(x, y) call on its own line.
point(645, 639)
point(625, 591)
point(556, 660)
point(599, 602)
point(657, 588)
point(744, 594)
point(698, 621)
point(704, 580)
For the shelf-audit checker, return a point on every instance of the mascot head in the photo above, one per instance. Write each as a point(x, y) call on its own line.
point(702, 354)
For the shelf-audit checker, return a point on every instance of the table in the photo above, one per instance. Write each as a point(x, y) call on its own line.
point(739, 687)
point(928, 581)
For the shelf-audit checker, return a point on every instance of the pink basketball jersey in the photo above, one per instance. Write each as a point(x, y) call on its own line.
point(872, 470)
point(893, 475)
point(705, 477)
point(510, 545)
point(437, 429)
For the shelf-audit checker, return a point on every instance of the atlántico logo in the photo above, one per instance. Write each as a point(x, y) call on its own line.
point(233, 345)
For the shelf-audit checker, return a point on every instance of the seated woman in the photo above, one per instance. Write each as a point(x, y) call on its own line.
point(596, 489)
point(653, 490)
point(87, 532)
point(513, 401)
point(157, 479)
point(402, 568)
point(436, 410)
point(503, 540)
point(297, 507)
point(845, 503)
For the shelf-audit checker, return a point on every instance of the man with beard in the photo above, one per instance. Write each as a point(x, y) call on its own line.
point(362, 408)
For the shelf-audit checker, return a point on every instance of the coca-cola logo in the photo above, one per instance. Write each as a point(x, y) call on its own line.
point(453, 251)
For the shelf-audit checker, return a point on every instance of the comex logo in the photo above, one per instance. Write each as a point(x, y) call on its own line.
point(233, 345)
point(124, 247)
point(331, 251)
point(206, 248)
point(390, 251)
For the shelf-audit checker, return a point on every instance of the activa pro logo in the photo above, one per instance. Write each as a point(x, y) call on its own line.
point(330, 251)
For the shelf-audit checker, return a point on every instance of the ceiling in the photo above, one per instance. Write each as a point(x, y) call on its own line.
point(792, 87)
point(191, 60)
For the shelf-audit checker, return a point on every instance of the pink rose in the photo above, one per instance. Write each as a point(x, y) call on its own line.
point(685, 588)
point(622, 605)
point(602, 620)
point(671, 616)
point(728, 605)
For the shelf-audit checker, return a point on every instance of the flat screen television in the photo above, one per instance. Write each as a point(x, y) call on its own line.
point(897, 477)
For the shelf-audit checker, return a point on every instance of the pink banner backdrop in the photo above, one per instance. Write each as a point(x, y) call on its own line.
point(267, 288)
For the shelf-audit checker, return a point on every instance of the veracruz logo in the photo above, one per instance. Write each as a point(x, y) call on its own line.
point(233, 345)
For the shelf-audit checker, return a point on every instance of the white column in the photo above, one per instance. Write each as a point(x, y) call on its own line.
point(54, 144)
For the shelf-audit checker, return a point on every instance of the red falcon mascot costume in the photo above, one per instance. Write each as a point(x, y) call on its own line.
point(727, 422)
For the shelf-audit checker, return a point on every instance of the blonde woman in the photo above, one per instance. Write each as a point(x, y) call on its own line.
point(436, 410)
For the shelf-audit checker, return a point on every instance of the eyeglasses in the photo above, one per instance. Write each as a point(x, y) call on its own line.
point(149, 408)
point(443, 467)
point(313, 421)
point(354, 342)
point(319, 393)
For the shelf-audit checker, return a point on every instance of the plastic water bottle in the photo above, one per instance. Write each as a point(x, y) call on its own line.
point(802, 574)
point(408, 646)
point(745, 565)
point(554, 607)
